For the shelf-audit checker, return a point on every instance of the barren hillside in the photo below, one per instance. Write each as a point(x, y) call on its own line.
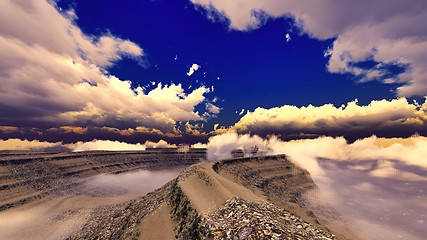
point(242, 198)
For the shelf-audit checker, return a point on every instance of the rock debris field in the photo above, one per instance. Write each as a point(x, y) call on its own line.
point(241, 219)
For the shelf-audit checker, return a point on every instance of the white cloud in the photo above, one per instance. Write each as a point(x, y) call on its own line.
point(193, 69)
point(160, 144)
point(199, 145)
point(379, 116)
point(105, 145)
point(411, 151)
point(52, 72)
point(212, 108)
point(288, 37)
point(220, 146)
point(387, 31)
point(94, 145)
point(108, 145)
point(34, 145)
point(241, 112)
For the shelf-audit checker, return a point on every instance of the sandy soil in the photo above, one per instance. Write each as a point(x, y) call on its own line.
point(54, 218)
point(157, 225)
point(209, 193)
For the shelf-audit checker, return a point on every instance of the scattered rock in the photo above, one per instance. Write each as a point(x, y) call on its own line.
point(242, 219)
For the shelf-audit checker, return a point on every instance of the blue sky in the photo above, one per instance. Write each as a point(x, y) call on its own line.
point(246, 62)
point(257, 68)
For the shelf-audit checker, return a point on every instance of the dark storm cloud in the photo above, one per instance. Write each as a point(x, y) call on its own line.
point(73, 134)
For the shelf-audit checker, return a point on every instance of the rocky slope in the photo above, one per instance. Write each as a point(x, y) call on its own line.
point(28, 176)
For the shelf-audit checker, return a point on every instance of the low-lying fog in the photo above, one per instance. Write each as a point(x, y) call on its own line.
point(378, 185)
point(58, 216)
point(130, 184)
point(393, 207)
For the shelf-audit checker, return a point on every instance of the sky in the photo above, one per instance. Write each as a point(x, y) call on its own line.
point(339, 86)
point(183, 71)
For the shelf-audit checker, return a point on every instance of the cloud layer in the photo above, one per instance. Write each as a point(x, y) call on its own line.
point(392, 118)
point(34, 145)
point(108, 145)
point(94, 145)
point(390, 32)
point(105, 145)
point(55, 75)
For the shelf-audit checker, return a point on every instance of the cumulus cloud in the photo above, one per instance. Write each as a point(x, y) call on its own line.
point(396, 117)
point(199, 145)
point(217, 129)
point(387, 31)
point(193, 129)
point(53, 74)
point(376, 184)
point(160, 144)
point(193, 69)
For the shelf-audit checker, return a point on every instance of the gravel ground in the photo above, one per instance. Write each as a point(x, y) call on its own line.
point(241, 219)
